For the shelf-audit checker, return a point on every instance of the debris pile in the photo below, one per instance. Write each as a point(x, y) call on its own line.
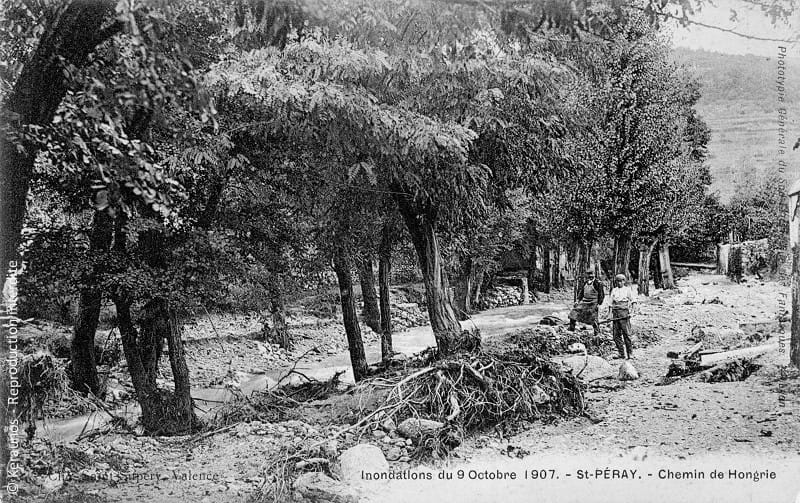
point(407, 315)
point(275, 404)
point(501, 296)
point(714, 365)
point(473, 391)
point(548, 339)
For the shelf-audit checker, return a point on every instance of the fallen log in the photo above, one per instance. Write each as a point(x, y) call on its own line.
point(694, 265)
point(711, 360)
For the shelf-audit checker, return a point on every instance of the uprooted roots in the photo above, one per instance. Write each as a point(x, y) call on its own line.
point(473, 391)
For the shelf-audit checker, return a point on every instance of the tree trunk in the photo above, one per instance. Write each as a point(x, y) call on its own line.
point(358, 359)
point(794, 344)
point(582, 263)
point(163, 413)
point(445, 325)
point(83, 376)
point(477, 284)
point(384, 273)
point(666, 269)
point(84, 366)
point(463, 291)
point(658, 277)
point(68, 39)
point(645, 252)
point(532, 259)
point(371, 312)
point(547, 270)
point(279, 332)
point(622, 255)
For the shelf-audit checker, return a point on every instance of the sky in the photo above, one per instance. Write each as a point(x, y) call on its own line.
point(749, 21)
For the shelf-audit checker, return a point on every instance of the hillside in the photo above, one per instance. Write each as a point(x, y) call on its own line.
point(740, 104)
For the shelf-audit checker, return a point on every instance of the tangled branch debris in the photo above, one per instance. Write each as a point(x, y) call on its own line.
point(474, 391)
point(274, 405)
point(40, 380)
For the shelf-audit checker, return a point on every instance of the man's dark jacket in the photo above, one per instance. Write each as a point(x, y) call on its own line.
point(598, 287)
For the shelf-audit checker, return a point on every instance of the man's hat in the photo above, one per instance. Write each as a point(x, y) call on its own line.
point(620, 277)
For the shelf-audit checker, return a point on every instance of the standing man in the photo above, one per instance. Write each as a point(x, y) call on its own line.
point(620, 307)
point(586, 309)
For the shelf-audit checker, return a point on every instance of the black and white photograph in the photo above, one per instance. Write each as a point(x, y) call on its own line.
point(392, 251)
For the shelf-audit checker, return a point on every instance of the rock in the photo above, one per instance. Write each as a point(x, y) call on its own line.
point(399, 357)
point(414, 428)
point(590, 367)
point(316, 487)
point(627, 372)
point(551, 320)
point(388, 425)
point(51, 484)
point(539, 395)
point(576, 347)
point(331, 448)
point(394, 454)
point(378, 434)
point(360, 457)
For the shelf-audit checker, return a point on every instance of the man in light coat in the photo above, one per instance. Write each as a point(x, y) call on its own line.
point(621, 303)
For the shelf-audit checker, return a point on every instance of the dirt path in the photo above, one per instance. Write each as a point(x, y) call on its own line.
point(685, 426)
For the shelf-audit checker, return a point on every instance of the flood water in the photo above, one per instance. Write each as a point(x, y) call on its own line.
point(411, 341)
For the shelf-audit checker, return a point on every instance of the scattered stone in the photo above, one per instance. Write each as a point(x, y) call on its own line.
point(379, 434)
point(331, 448)
point(414, 428)
point(539, 395)
point(394, 454)
point(316, 487)
point(388, 425)
point(551, 320)
point(627, 372)
point(360, 457)
point(577, 347)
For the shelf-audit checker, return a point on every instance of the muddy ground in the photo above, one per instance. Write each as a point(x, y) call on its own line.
point(749, 424)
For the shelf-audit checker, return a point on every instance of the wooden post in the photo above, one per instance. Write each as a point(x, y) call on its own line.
point(526, 295)
point(722, 258)
point(666, 268)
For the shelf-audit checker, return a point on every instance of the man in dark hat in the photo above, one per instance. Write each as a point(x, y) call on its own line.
point(586, 309)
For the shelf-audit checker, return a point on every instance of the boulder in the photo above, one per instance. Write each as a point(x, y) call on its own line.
point(366, 457)
point(590, 367)
point(414, 428)
point(316, 487)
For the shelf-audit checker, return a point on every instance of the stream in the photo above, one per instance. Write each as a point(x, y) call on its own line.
point(411, 341)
